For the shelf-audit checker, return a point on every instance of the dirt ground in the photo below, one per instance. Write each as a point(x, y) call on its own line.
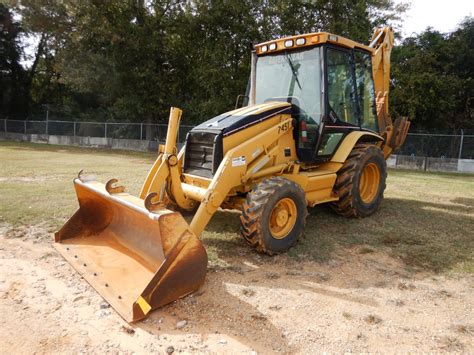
point(354, 303)
point(399, 281)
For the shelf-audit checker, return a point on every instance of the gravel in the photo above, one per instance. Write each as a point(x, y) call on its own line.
point(181, 324)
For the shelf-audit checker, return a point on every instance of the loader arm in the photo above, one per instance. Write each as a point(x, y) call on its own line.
point(238, 165)
point(165, 174)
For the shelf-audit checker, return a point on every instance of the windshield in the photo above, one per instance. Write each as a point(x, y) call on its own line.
point(294, 77)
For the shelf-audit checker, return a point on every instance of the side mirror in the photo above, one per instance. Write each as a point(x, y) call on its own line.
point(243, 97)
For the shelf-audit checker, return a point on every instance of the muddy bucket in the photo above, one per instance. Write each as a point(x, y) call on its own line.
point(136, 259)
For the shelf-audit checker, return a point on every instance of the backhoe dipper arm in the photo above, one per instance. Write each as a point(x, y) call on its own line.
point(382, 42)
point(393, 133)
point(235, 168)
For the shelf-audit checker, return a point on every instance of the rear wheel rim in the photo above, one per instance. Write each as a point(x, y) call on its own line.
point(282, 218)
point(369, 182)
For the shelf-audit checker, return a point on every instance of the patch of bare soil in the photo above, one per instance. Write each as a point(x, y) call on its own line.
point(357, 302)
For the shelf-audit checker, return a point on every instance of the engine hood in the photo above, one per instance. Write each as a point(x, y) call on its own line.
point(232, 121)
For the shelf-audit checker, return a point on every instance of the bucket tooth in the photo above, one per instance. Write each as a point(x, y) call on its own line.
point(136, 259)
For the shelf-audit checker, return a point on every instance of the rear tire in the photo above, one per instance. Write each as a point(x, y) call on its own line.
point(360, 182)
point(273, 215)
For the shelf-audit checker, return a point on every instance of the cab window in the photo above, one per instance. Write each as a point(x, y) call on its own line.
point(365, 90)
point(341, 86)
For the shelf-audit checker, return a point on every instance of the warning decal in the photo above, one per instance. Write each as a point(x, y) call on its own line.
point(239, 161)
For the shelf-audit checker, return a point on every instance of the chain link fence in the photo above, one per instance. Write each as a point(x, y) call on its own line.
point(139, 131)
point(459, 146)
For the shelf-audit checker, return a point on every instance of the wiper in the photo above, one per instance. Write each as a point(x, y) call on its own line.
point(293, 69)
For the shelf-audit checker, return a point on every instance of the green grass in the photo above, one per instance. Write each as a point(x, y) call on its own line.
point(36, 179)
point(426, 219)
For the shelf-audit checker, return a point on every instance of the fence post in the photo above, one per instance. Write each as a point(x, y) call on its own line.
point(74, 128)
point(460, 145)
point(47, 119)
point(24, 123)
point(5, 125)
point(105, 130)
point(141, 131)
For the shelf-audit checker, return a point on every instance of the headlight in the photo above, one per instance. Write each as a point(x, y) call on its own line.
point(289, 43)
point(264, 49)
point(273, 46)
point(300, 41)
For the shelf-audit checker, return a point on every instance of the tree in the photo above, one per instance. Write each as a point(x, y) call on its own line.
point(131, 60)
point(13, 96)
point(433, 79)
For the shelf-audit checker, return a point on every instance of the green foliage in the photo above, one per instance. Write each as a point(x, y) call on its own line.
point(433, 79)
point(132, 60)
point(13, 96)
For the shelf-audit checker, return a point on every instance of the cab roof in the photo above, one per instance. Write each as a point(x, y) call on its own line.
point(306, 40)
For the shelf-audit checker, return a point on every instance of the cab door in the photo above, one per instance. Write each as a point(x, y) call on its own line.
point(342, 112)
point(365, 90)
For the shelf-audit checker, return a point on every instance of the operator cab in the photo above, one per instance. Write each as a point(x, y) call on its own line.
point(330, 86)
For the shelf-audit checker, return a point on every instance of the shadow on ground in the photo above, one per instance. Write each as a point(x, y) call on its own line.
point(426, 236)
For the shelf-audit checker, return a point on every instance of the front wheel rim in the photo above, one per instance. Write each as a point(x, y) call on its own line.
point(282, 218)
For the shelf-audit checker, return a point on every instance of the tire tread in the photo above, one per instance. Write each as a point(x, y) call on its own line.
point(253, 207)
point(344, 186)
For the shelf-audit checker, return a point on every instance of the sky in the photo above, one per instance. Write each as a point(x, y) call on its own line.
point(441, 15)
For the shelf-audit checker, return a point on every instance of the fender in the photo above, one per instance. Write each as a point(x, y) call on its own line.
point(345, 148)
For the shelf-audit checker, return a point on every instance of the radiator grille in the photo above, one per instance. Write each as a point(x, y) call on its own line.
point(200, 157)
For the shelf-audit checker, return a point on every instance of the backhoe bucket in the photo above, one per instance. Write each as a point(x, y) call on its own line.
point(136, 259)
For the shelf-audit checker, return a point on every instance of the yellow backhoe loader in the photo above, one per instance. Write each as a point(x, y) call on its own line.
point(316, 129)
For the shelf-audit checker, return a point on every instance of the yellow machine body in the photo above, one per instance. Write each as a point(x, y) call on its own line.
point(139, 254)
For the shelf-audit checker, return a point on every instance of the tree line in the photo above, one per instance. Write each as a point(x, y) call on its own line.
point(131, 60)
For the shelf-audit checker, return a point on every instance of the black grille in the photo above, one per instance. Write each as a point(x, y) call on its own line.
point(203, 153)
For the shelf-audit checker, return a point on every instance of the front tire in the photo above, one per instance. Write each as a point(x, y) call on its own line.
point(360, 182)
point(273, 215)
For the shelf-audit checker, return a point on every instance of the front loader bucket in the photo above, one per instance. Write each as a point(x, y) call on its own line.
point(136, 259)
